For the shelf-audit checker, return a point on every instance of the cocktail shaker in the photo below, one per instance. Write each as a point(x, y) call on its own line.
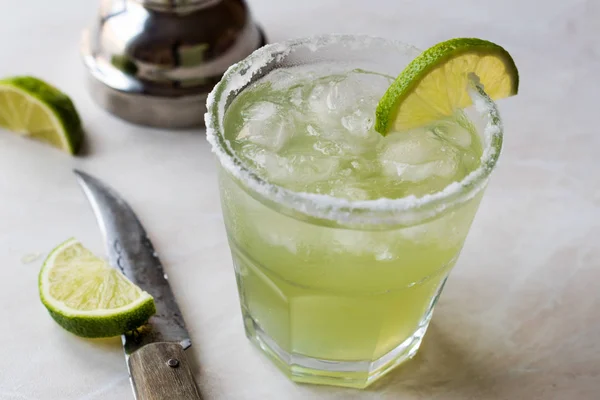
point(153, 62)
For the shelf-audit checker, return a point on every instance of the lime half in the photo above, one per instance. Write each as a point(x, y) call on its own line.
point(87, 297)
point(34, 108)
point(436, 83)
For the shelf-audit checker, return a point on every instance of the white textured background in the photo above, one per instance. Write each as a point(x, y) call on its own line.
point(520, 316)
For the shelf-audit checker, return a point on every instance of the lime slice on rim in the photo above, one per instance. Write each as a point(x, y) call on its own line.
point(435, 83)
point(89, 298)
point(34, 108)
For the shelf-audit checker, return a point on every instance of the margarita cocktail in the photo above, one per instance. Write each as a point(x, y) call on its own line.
point(342, 238)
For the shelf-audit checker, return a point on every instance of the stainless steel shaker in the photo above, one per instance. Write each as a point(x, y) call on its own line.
point(153, 62)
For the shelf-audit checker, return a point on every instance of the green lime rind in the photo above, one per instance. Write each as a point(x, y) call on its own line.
point(430, 59)
point(94, 324)
point(103, 326)
point(57, 102)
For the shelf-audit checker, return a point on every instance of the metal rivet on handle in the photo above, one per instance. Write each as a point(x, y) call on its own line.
point(173, 363)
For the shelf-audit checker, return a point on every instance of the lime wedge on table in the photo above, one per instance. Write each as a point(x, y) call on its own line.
point(89, 298)
point(34, 108)
point(435, 83)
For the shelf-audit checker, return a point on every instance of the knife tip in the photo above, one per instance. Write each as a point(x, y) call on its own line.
point(80, 174)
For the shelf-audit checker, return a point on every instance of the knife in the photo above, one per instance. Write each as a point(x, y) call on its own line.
point(158, 368)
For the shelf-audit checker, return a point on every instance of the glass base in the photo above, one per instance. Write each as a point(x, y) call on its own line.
point(355, 374)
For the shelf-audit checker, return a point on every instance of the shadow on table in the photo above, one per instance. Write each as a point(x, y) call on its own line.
point(443, 364)
point(106, 344)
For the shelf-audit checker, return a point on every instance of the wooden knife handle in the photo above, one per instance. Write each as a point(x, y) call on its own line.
point(160, 371)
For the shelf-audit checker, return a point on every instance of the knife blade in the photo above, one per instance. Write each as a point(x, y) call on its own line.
point(155, 355)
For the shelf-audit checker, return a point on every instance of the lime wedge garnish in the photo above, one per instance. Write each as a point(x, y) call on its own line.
point(435, 83)
point(34, 108)
point(87, 297)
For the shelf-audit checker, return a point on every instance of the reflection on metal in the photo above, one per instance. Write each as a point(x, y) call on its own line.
point(153, 62)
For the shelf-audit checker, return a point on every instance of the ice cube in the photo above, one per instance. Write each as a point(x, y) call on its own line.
point(453, 133)
point(417, 155)
point(260, 111)
point(257, 156)
point(281, 79)
point(311, 130)
point(318, 111)
point(364, 167)
point(354, 91)
point(416, 233)
point(358, 123)
point(383, 253)
point(327, 147)
point(364, 244)
point(295, 97)
point(350, 241)
point(334, 95)
point(265, 124)
point(350, 193)
point(338, 98)
point(333, 98)
point(446, 168)
point(295, 170)
point(317, 101)
point(276, 239)
point(309, 168)
point(414, 147)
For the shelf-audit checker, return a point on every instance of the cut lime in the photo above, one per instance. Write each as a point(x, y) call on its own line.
point(34, 108)
point(435, 83)
point(87, 297)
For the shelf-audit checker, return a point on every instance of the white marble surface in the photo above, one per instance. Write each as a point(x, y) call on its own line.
point(520, 317)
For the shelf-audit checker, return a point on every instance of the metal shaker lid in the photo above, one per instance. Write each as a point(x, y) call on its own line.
point(178, 5)
point(153, 62)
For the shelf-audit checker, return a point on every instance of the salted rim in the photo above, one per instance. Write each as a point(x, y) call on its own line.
point(402, 210)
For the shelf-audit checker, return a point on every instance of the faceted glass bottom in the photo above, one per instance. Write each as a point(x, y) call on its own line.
point(356, 374)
